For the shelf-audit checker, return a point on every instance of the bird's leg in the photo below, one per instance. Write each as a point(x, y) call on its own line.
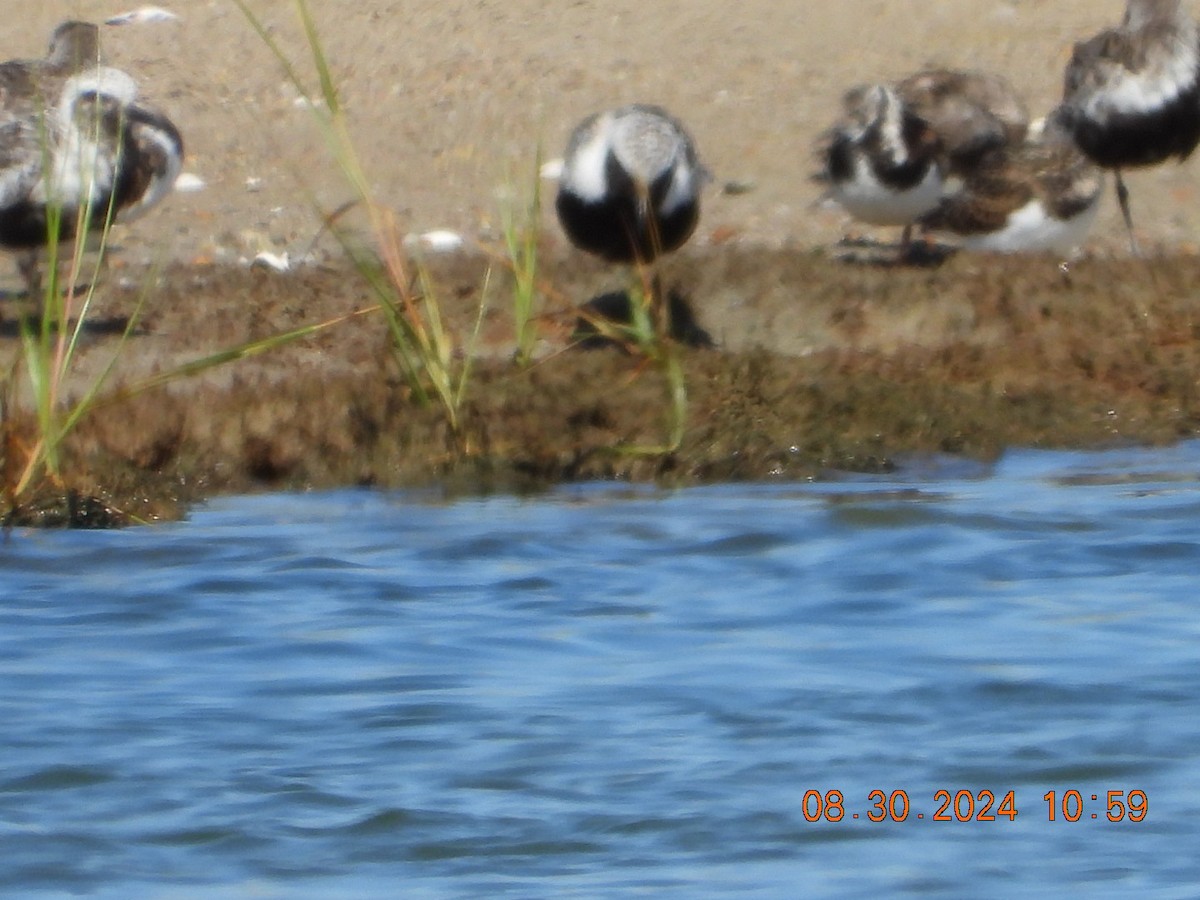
point(906, 245)
point(1123, 202)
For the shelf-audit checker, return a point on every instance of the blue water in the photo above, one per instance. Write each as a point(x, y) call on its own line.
point(615, 692)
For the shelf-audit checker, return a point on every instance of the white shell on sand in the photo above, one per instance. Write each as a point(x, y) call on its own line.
point(189, 183)
point(277, 262)
point(143, 16)
point(553, 169)
point(438, 241)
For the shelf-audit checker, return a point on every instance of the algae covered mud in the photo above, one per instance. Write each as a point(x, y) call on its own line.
point(818, 365)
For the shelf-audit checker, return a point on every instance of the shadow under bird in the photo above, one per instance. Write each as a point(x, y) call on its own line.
point(1039, 195)
point(630, 185)
point(1131, 94)
point(75, 140)
point(887, 160)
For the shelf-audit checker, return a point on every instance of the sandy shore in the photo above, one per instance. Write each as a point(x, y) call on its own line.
point(819, 365)
point(449, 101)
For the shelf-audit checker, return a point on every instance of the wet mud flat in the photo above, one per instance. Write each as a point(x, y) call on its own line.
point(819, 366)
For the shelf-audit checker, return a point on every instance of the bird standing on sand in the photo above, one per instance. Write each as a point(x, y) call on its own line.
point(630, 185)
point(881, 160)
point(888, 159)
point(1131, 95)
point(1041, 194)
point(76, 144)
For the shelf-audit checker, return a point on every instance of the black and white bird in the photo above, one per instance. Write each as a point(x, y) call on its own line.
point(629, 188)
point(881, 160)
point(1039, 195)
point(77, 146)
point(1131, 94)
point(888, 159)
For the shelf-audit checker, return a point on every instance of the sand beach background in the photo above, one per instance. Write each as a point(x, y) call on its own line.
point(821, 364)
point(449, 100)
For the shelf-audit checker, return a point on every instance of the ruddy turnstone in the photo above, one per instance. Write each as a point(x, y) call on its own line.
point(1131, 94)
point(75, 140)
point(1039, 195)
point(630, 185)
point(881, 159)
point(888, 160)
point(972, 113)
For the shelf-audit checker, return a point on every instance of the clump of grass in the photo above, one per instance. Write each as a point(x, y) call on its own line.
point(652, 333)
point(648, 334)
point(30, 444)
point(522, 233)
point(425, 350)
point(31, 441)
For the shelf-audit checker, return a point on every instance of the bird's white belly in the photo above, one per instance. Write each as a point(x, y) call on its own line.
point(869, 200)
point(81, 173)
point(1031, 229)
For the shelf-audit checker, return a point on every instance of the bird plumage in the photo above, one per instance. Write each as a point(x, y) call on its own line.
point(630, 184)
point(1131, 95)
point(971, 113)
point(76, 144)
point(1040, 194)
point(880, 159)
point(888, 159)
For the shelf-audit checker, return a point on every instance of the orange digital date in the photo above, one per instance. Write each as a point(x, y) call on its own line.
point(973, 806)
point(894, 806)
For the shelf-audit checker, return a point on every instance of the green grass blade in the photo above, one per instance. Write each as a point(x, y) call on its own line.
point(320, 62)
point(469, 356)
point(231, 354)
point(268, 39)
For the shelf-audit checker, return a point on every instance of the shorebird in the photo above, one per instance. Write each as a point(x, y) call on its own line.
point(888, 160)
point(1131, 94)
point(76, 145)
point(629, 190)
point(1039, 195)
point(881, 160)
point(971, 113)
